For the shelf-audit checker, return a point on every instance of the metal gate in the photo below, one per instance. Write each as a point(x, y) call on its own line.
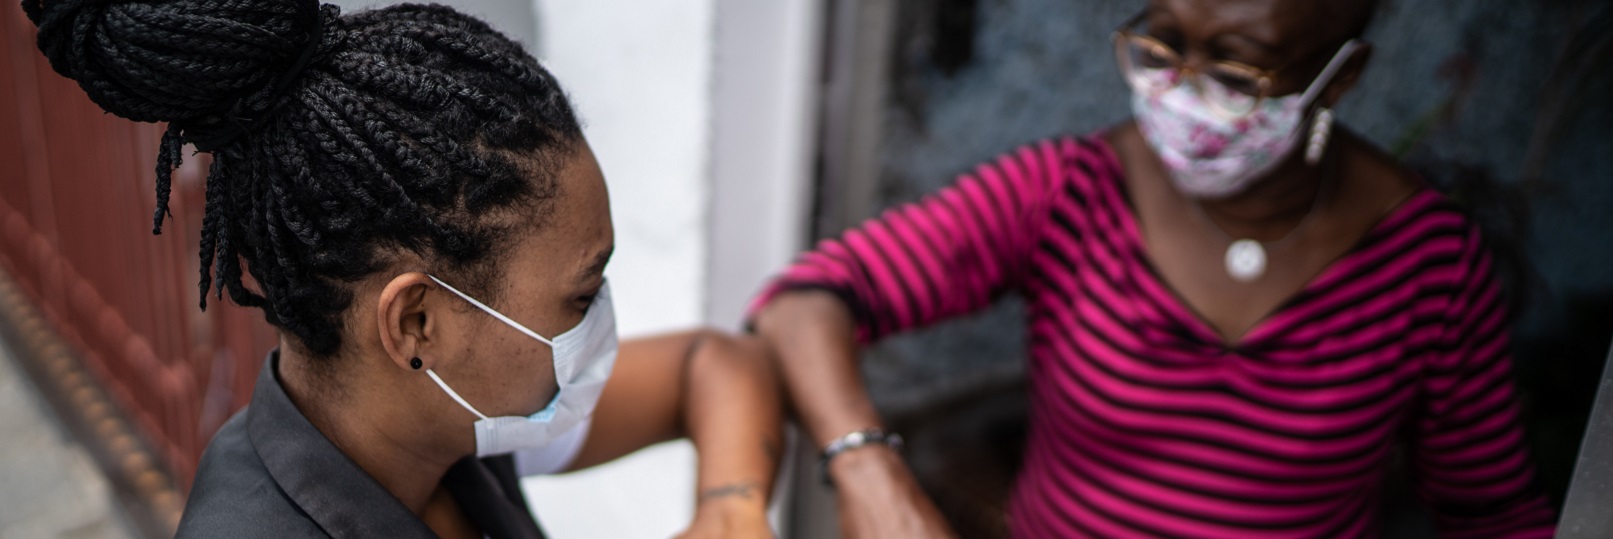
point(76, 197)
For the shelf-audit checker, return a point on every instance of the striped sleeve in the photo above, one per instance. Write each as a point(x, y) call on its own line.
point(948, 254)
point(1472, 459)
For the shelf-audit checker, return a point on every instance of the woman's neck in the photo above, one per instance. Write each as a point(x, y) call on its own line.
point(398, 450)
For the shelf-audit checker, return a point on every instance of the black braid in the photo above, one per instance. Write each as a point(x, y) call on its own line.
point(169, 157)
point(412, 129)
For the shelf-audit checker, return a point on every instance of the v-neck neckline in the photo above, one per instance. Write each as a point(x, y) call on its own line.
point(1183, 309)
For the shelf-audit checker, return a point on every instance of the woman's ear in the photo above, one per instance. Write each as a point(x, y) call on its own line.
point(406, 324)
point(1347, 76)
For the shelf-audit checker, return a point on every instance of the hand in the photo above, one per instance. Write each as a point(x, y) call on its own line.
point(730, 512)
point(880, 499)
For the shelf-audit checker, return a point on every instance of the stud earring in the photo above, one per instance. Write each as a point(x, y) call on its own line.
point(416, 363)
point(1321, 128)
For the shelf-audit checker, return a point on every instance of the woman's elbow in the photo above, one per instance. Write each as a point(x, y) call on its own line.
point(743, 362)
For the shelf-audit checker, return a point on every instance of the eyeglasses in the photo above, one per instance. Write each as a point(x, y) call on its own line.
point(1151, 67)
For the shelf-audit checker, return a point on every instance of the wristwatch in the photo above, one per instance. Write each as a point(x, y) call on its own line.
point(855, 440)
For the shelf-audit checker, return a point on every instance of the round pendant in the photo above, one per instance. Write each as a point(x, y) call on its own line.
point(1246, 260)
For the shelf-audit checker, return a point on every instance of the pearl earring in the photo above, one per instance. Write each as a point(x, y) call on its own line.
point(1321, 128)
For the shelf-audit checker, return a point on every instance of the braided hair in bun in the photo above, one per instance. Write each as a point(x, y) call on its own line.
point(337, 140)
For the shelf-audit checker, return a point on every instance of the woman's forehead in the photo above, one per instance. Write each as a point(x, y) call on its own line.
point(1278, 24)
point(578, 230)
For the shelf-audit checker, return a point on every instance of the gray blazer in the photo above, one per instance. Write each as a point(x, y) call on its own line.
point(269, 473)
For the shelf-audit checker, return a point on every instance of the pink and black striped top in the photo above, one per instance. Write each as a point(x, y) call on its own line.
point(1143, 423)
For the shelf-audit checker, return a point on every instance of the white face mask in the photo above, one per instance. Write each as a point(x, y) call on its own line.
point(583, 358)
point(1211, 154)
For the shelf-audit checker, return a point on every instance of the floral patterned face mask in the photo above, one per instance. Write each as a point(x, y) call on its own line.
point(1210, 153)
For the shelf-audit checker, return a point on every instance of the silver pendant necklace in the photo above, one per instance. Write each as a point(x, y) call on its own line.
point(1246, 259)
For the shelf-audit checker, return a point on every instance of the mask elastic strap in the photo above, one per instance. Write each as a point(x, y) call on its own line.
point(1326, 77)
point(489, 310)
point(451, 393)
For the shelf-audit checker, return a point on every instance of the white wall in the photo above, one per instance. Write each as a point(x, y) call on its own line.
point(639, 74)
point(513, 17)
point(765, 90)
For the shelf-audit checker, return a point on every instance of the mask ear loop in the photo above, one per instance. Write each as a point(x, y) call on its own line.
point(495, 314)
point(1326, 76)
point(451, 393)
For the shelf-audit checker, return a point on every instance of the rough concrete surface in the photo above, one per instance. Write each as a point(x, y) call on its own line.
point(49, 485)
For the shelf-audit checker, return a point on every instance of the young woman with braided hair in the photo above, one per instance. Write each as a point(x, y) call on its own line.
point(425, 224)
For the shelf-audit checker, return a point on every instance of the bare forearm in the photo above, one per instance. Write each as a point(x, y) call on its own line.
point(733, 415)
point(814, 336)
point(814, 340)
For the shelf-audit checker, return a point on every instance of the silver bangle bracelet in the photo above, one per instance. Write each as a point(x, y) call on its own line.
point(855, 440)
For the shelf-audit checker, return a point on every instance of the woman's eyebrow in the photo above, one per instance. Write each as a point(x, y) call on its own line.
point(598, 265)
point(1247, 41)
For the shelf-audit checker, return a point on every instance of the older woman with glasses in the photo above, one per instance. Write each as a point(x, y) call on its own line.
point(1237, 311)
